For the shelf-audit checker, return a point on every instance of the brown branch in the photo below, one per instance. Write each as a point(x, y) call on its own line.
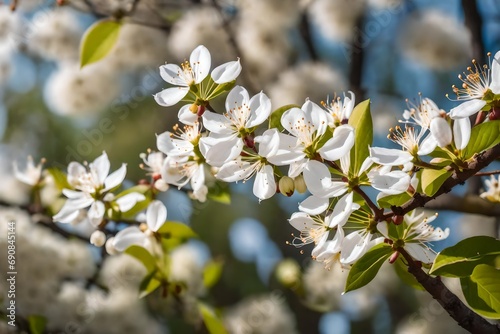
point(467, 204)
point(492, 172)
point(464, 316)
point(377, 212)
point(419, 200)
point(474, 22)
point(47, 222)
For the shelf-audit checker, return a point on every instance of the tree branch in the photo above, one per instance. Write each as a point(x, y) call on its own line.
point(474, 22)
point(357, 60)
point(464, 316)
point(419, 200)
point(466, 204)
point(305, 32)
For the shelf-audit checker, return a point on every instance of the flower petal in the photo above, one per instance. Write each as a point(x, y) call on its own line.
point(314, 205)
point(100, 167)
point(264, 186)
point(392, 183)
point(236, 170)
point(353, 247)
point(216, 123)
point(317, 116)
point(186, 116)
point(115, 178)
point(389, 156)
point(319, 181)
point(260, 109)
point(461, 132)
point(495, 74)
point(339, 145)
point(224, 151)
point(226, 72)
point(301, 221)
point(128, 201)
point(200, 61)
point(420, 252)
point(96, 213)
point(467, 109)
point(171, 96)
point(156, 215)
point(427, 146)
point(342, 211)
point(127, 237)
point(173, 147)
point(173, 74)
point(441, 131)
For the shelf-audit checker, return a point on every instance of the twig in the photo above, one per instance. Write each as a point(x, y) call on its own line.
point(492, 172)
point(375, 209)
point(419, 200)
point(466, 204)
point(464, 316)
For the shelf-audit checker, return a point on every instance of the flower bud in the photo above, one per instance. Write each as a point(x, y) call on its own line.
point(98, 238)
point(300, 184)
point(288, 273)
point(110, 248)
point(286, 186)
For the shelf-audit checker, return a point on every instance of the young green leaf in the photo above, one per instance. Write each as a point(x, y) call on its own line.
point(211, 319)
point(482, 291)
point(275, 119)
point(433, 179)
point(393, 200)
point(149, 284)
point(212, 273)
point(37, 324)
point(60, 179)
point(98, 41)
point(461, 259)
point(367, 267)
point(482, 137)
point(361, 121)
point(407, 278)
point(176, 230)
point(143, 256)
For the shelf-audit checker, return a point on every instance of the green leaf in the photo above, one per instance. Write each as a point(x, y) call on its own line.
point(149, 284)
point(98, 41)
point(141, 188)
point(220, 192)
point(176, 230)
point(367, 267)
point(393, 200)
point(482, 291)
point(361, 121)
point(212, 273)
point(220, 89)
point(482, 137)
point(37, 324)
point(461, 259)
point(275, 119)
point(143, 256)
point(402, 271)
point(211, 320)
point(433, 179)
point(60, 179)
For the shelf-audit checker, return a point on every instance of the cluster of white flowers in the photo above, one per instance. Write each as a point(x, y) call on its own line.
point(315, 137)
point(436, 40)
point(266, 314)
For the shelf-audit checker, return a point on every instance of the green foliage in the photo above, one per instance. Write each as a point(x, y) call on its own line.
point(98, 41)
point(37, 324)
point(393, 200)
point(461, 259)
point(176, 230)
point(407, 278)
point(367, 267)
point(275, 118)
point(149, 284)
point(211, 319)
point(482, 137)
point(212, 273)
point(220, 89)
point(361, 121)
point(433, 179)
point(143, 256)
point(482, 291)
point(220, 192)
point(60, 179)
